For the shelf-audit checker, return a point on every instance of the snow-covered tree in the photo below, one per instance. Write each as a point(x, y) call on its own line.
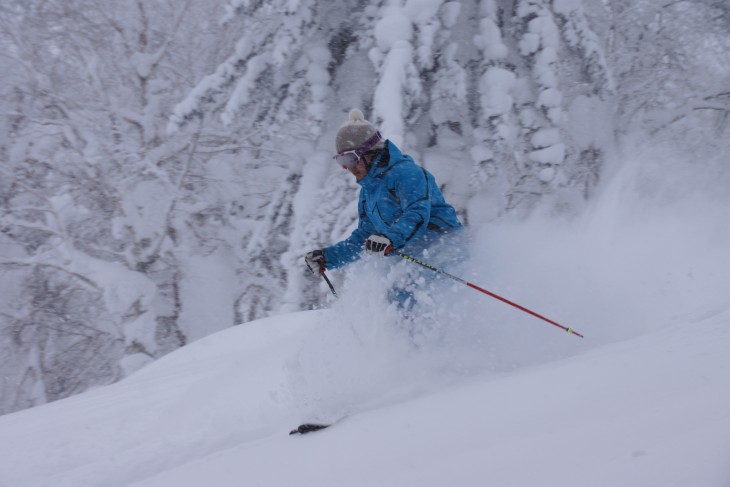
point(656, 48)
point(165, 165)
point(98, 203)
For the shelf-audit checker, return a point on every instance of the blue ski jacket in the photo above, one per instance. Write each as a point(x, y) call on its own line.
point(400, 200)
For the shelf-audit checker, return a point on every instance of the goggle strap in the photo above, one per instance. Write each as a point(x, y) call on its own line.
point(374, 139)
point(367, 145)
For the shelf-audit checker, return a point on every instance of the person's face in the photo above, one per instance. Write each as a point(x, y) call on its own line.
point(360, 170)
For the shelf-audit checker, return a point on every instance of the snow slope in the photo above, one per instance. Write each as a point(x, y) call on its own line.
point(650, 411)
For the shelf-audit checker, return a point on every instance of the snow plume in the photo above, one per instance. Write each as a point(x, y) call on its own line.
point(648, 254)
point(352, 357)
point(369, 352)
point(651, 252)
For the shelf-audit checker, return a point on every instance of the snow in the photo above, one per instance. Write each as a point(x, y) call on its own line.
point(529, 44)
point(543, 67)
point(546, 174)
point(242, 93)
point(496, 85)
point(421, 11)
point(212, 83)
point(146, 208)
point(547, 30)
point(145, 62)
point(549, 155)
point(388, 96)
point(566, 7)
point(208, 280)
point(503, 399)
point(481, 153)
point(596, 133)
point(490, 40)
point(648, 411)
point(549, 98)
point(545, 137)
point(450, 13)
point(318, 58)
point(393, 27)
point(491, 396)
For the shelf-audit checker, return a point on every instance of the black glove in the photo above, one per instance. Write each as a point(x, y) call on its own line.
point(379, 245)
point(315, 261)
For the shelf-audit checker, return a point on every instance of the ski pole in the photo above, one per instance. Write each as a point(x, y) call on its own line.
point(488, 293)
point(332, 288)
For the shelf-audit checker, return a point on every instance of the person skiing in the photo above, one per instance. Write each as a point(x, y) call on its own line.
point(400, 206)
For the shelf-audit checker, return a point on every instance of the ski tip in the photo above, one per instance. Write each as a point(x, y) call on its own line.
point(305, 428)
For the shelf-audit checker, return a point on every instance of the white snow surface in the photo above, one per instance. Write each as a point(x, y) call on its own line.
point(651, 411)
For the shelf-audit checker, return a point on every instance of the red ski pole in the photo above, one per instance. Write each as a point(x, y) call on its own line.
point(488, 293)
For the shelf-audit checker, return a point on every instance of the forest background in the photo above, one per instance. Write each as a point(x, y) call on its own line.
point(165, 165)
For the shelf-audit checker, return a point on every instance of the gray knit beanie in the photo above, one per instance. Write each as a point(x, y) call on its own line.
point(353, 133)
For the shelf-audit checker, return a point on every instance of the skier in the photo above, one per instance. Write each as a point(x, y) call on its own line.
point(400, 206)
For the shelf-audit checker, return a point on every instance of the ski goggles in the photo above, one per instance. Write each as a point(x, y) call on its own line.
point(348, 159)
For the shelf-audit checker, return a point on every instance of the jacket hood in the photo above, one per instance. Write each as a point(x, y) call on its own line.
point(388, 158)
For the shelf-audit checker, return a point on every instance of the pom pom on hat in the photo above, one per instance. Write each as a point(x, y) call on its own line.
point(353, 133)
point(356, 116)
